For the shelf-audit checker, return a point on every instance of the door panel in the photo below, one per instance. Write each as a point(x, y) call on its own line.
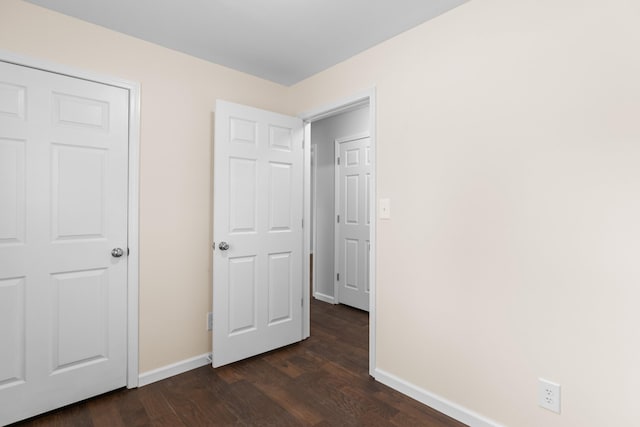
point(280, 287)
point(80, 314)
point(280, 192)
point(12, 331)
point(353, 174)
point(12, 193)
point(63, 186)
point(351, 260)
point(257, 281)
point(242, 195)
point(242, 295)
point(73, 110)
point(78, 192)
point(12, 100)
point(351, 202)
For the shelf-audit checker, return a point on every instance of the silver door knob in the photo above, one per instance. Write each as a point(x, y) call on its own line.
point(223, 246)
point(117, 252)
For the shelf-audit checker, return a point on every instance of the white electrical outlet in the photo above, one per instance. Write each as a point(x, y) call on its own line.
point(209, 321)
point(549, 395)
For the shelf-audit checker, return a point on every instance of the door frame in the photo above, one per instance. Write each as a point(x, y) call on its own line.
point(134, 184)
point(337, 194)
point(342, 106)
point(313, 168)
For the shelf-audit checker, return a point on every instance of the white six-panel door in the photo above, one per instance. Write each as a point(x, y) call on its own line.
point(258, 210)
point(353, 219)
point(63, 208)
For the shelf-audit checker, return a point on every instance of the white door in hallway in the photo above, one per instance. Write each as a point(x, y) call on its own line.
point(63, 209)
point(353, 218)
point(257, 230)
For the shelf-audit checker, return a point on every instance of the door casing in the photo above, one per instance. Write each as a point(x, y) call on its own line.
point(133, 188)
point(342, 106)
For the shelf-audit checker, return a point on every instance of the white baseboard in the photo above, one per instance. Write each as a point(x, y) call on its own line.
point(324, 298)
point(173, 369)
point(434, 401)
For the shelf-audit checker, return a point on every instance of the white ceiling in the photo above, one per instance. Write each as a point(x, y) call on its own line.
point(284, 41)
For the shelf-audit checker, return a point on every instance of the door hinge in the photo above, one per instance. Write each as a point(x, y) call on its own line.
point(338, 277)
point(301, 302)
point(127, 251)
point(303, 223)
point(338, 159)
point(338, 219)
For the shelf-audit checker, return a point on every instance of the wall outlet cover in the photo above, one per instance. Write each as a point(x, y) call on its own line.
point(549, 395)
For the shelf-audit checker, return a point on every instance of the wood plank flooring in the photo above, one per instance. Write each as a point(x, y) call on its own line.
point(322, 381)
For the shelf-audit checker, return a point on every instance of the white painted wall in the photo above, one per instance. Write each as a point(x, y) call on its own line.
point(323, 135)
point(508, 140)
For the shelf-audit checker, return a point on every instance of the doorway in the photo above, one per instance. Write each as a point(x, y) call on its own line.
point(327, 137)
point(326, 128)
point(245, 132)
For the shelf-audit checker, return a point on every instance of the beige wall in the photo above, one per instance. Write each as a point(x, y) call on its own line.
point(178, 93)
point(509, 145)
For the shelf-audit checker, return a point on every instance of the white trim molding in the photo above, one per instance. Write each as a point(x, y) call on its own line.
point(177, 368)
point(341, 106)
point(324, 298)
point(434, 401)
point(134, 183)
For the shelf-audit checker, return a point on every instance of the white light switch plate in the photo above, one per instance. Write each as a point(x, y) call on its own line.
point(385, 209)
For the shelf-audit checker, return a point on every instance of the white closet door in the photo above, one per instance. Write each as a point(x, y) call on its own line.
point(63, 209)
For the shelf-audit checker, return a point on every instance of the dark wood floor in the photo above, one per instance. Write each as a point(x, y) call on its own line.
point(322, 381)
